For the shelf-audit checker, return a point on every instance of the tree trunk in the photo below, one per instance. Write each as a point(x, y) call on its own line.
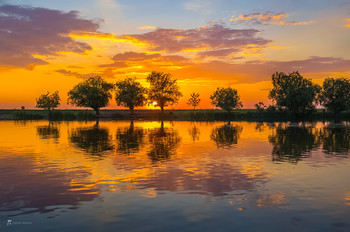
point(97, 123)
point(162, 108)
point(48, 113)
point(97, 110)
point(131, 109)
point(229, 117)
point(131, 126)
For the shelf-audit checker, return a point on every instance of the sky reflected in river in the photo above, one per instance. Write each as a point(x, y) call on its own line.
point(174, 176)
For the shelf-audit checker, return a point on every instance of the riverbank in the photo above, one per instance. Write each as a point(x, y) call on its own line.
point(176, 115)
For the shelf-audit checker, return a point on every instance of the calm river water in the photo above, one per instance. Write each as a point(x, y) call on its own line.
point(174, 176)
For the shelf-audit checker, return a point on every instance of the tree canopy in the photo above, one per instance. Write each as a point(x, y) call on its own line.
point(130, 93)
point(194, 100)
point(335, 95)
point(226, 99)
point(93, 93)
point(48, 101)
point(293, 92)
point(260, 106)
point(163, 89)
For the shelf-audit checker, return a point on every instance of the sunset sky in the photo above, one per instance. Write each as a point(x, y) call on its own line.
point(48, 45)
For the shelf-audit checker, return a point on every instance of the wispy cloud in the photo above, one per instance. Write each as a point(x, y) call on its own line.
point(146, 27)
point(214, 39)
point(202, 6)
point(75, 74)
point(26, 32)
point(266, 18)
point(258, 70)
point(143, 62)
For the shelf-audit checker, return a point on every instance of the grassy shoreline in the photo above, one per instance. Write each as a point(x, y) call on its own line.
point(175, 115)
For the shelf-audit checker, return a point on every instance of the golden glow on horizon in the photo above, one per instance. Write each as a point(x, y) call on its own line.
point(146, 27)
point(114, 38)
point(65, 69)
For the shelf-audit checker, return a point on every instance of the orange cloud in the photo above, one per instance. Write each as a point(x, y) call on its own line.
point(146, 27)
point(112, 37)
point(267, 18)
point(207, 40)
point(144, 62)
point(348, 25)
point(347, 199)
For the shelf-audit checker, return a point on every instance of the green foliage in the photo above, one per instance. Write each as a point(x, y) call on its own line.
point(48, 101)
point(56, 115)
point(226, 98)
point(293, 92)
point(130, 93)
point(335, 95)
point(93, 92)
point(163, 89)
point(194, 100)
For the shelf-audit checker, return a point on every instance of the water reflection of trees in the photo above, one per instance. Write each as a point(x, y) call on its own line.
point(93, 140)
point(336, 140)
point(163, 143)
point(194, 133)
point(129, 139)
point(48, 132)
point(226, 136)
point(291, 144)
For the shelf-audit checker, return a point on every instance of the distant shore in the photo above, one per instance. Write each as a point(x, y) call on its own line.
point(176, 115)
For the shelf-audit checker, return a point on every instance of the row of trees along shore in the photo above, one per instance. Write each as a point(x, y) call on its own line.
point(290, 92)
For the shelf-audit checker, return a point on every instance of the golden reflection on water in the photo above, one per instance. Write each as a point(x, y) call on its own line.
point(70, 162)
point(347, 199)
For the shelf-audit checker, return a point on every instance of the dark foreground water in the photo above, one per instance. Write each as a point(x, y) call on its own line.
point(174, 176)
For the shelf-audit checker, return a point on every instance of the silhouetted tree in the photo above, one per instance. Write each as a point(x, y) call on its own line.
point(163, 89)
point(335, 95)
point(194, 100)
point(260, 106)
point(163, 143)
point(293, 92)
point(226, 136)
point(48, 101)
point(130, 93)
point(129, 139)
point(226, 99)
point(93, 93)
point(293, 143)
point(93, 140)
